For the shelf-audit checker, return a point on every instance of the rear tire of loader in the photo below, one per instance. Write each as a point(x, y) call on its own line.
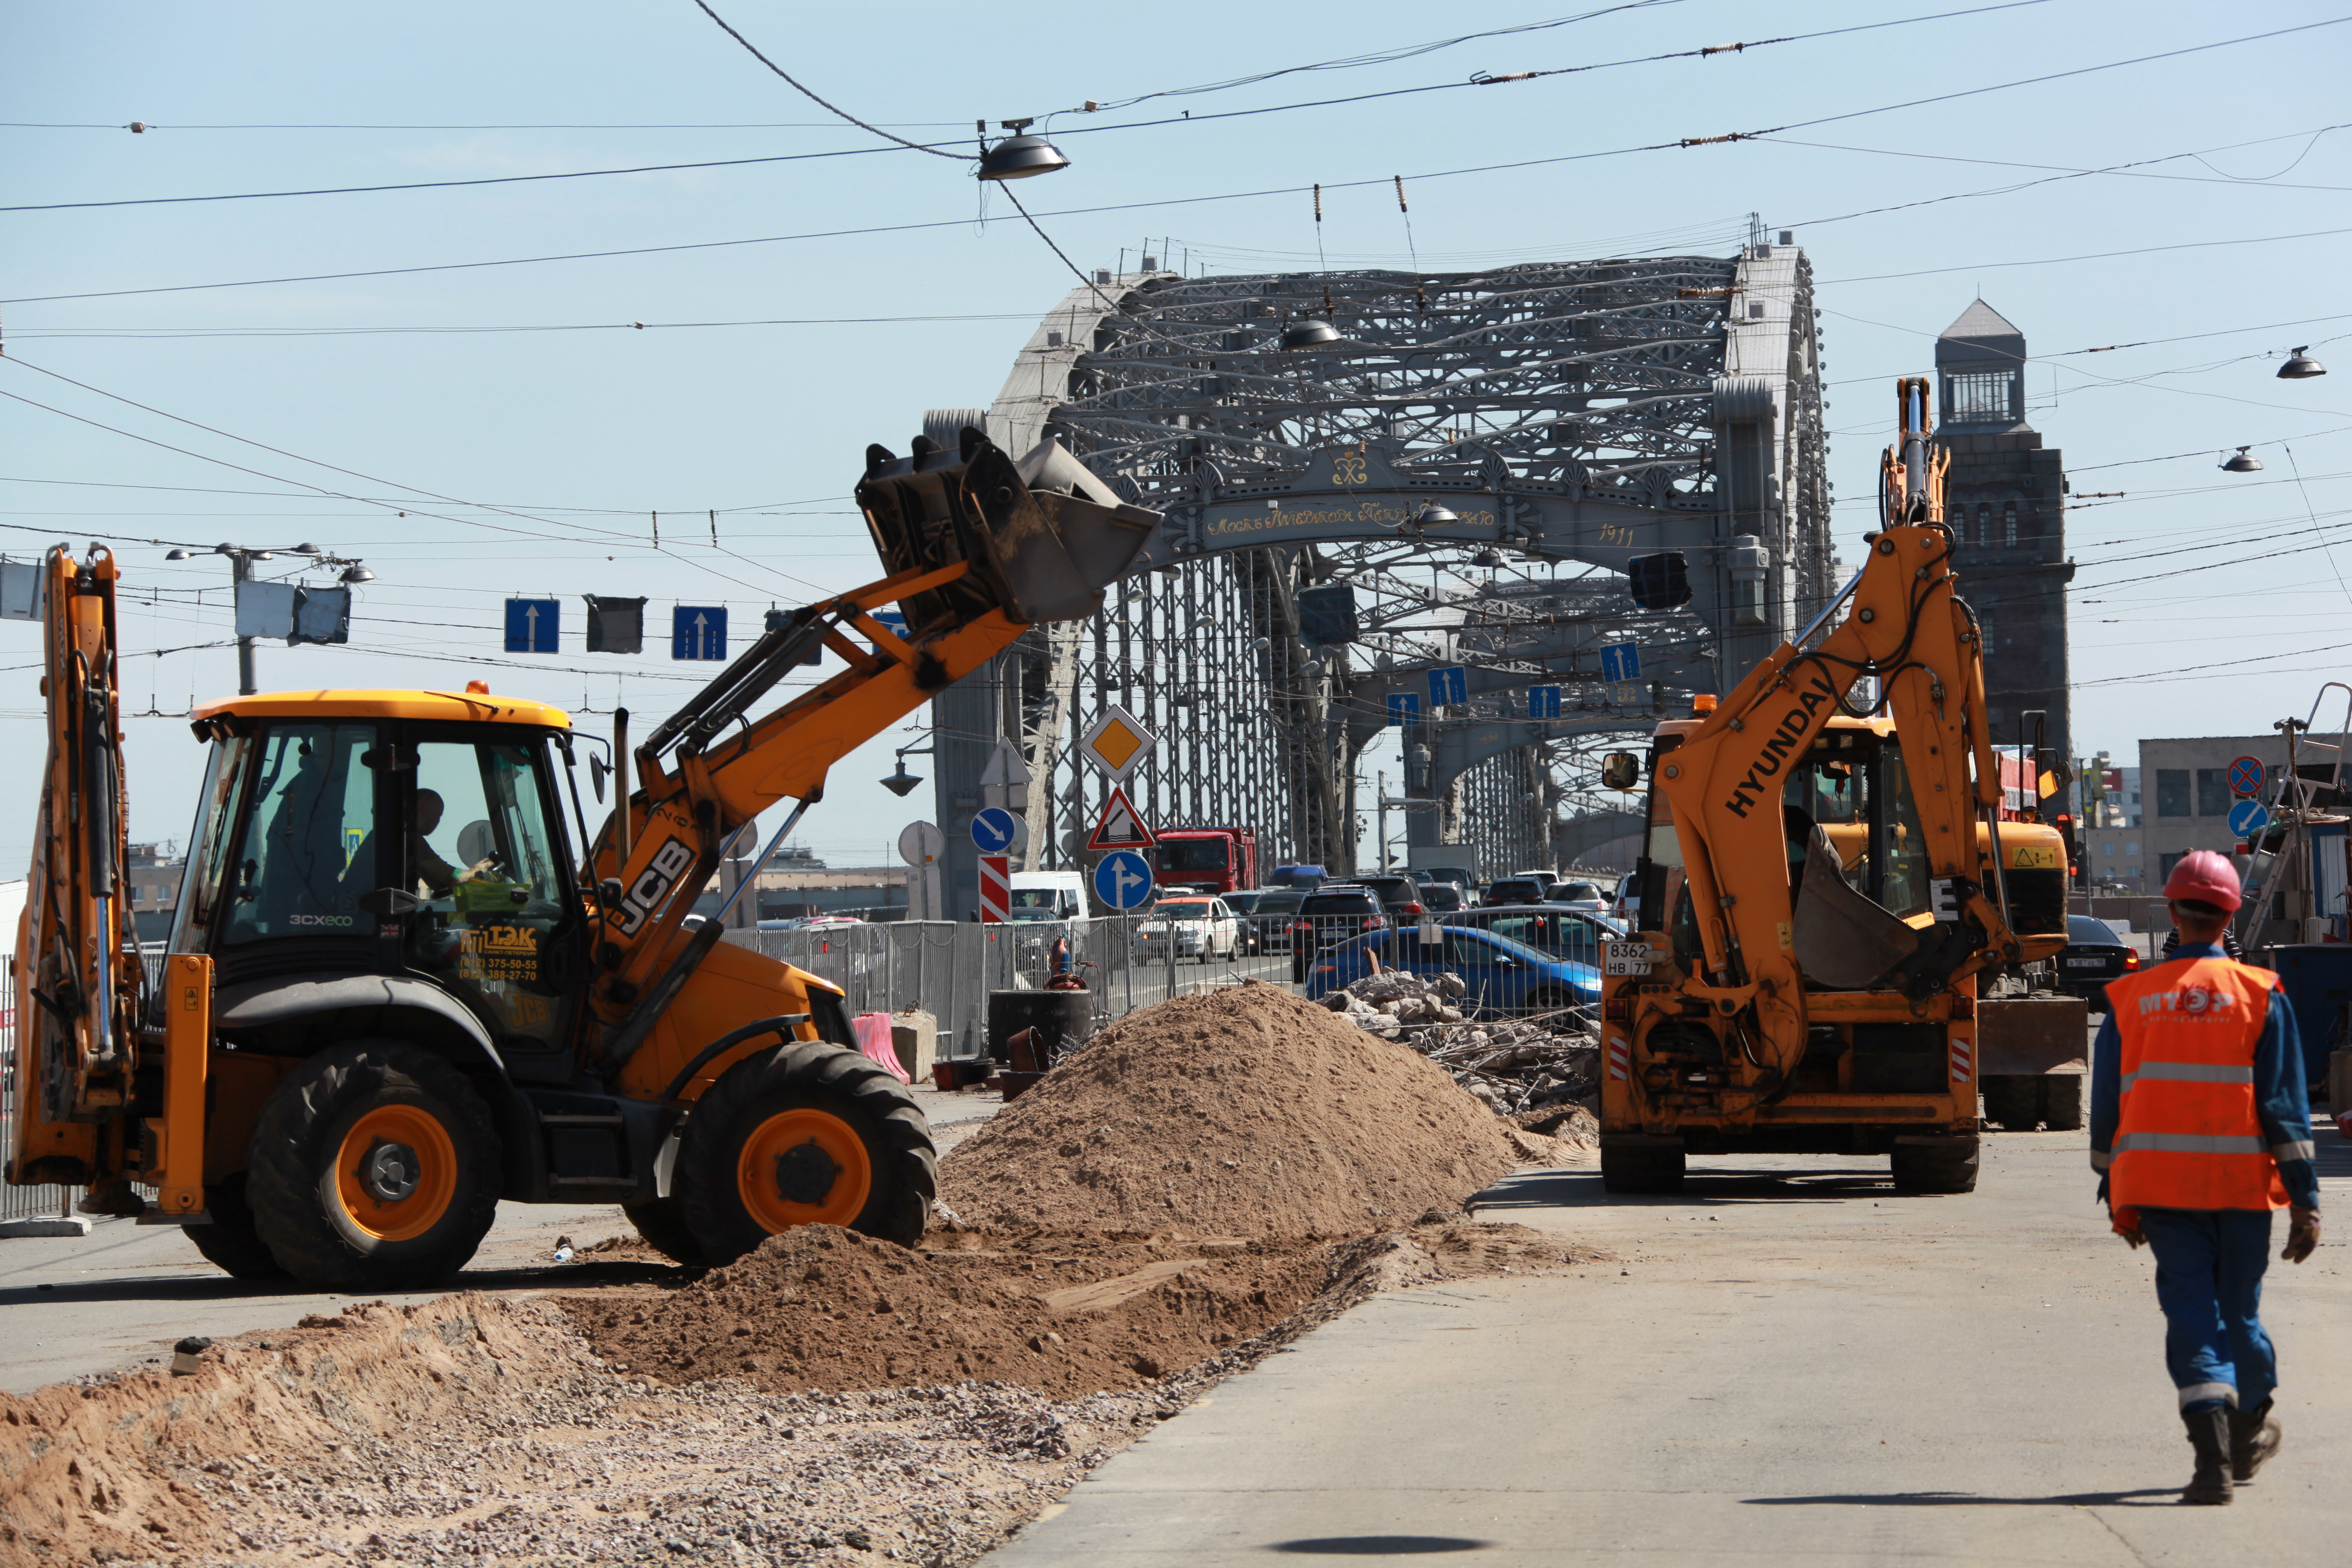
point(662, 1222)
point(1942, 1165)
point(374, 1166)
point(230, 1244)
point(813, 1133)
point(2062, 1102)
point(2013, 1101)
point(1626, 1170)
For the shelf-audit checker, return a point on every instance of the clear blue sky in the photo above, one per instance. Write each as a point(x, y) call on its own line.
point(584, 433)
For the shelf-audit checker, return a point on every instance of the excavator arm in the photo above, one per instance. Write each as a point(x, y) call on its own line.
point(1906, 625)
point(979, 549)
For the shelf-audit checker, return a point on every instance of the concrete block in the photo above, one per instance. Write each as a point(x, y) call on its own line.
point(915, 1034)
point(45, 1225)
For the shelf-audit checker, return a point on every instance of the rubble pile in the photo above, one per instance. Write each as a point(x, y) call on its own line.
point(1243, 1112)
point(1511, 1065)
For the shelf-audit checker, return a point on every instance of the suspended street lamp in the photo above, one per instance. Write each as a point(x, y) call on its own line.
point(1310, 333)
point(2301, 366)
point(1020, 157)
point(2244, 463)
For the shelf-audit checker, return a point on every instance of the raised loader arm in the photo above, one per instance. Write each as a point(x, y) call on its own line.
point(1907, 627)
point(978, 549)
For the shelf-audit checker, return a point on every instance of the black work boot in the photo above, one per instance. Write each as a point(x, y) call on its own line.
point(2253, 1439)
point(2208, 1434)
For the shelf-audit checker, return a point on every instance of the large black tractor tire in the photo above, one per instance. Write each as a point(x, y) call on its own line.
point(2061, 1101)
point(662, 1222)
point(1942, 1165)
point(804, 1134)
point(2014, 1101)
point(230, 1244)
point(1641, 1170)
point(374, 1167)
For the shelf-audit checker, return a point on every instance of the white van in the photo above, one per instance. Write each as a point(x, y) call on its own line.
point(1049, 896)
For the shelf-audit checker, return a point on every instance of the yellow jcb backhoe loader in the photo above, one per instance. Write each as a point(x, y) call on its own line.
point(398, 989)
point(1821, 885)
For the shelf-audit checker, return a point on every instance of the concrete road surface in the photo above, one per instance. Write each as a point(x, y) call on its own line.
point(1786, 1363)
point(119, 1297)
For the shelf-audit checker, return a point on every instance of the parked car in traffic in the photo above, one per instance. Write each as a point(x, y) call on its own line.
point(1243, 901)
point(1516, 890)
point(1268, 917)
point(1577, 895)
point(1333, 912)
point(2092, 955)
point(1625, 904)
point(1442, 897)
point(1572, 934)
point(1398, 892)
point(1198, 926)
point(1503, 975)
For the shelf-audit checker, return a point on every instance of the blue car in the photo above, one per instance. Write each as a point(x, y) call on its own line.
point(1503, 975)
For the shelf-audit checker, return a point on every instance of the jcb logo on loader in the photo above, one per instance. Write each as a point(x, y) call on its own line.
point(653, 884)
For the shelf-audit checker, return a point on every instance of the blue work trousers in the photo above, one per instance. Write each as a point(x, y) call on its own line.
point(2209, 1280)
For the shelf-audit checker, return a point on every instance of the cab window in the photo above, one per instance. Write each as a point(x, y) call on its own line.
point(306, 815)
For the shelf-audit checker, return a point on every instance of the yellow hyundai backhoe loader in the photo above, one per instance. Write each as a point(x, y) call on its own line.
point(1823, 883)
point(399, 988)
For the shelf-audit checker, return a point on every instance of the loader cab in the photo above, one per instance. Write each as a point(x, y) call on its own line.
point(409, 836)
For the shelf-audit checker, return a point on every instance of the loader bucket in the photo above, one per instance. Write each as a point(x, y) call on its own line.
point(1044, 537)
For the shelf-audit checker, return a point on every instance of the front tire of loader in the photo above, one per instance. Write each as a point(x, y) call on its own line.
point(806, 1134)
point(662, 1222)
point(1936, 1165)
point(374, 1167)
point(1624, 1170)
point(230, 1244)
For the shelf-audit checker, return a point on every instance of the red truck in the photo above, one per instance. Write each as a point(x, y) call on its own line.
point(1206, 859)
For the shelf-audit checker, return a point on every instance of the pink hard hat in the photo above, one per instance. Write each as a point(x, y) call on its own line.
point(2205, 876)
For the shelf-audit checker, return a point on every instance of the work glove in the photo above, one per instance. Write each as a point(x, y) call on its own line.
point(2124, 1222)
point(2302, 1233)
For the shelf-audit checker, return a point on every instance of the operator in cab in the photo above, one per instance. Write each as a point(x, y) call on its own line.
point(435, 878)
point(2200, 1128)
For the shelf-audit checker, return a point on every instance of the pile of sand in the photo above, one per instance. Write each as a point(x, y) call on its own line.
point(1241, 1112)
point(1065, 1313)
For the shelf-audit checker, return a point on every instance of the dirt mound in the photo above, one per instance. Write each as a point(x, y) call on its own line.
point(1067, 1312)
point(1244, 1112)
point(88, 1471)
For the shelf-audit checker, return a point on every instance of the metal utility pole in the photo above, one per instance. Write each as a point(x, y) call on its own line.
point(241, 573)
point(240, 560)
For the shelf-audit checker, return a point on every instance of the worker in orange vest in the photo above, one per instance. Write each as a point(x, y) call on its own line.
point(2200, 1128)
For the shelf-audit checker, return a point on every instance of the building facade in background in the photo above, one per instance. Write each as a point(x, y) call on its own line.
point(2005, 498)
point(2186, 797)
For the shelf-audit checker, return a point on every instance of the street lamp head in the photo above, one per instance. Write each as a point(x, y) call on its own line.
point(1021, 157)
point(1310, 333)
point(179, 556)
point(223, 548)
point(2245, 462)
point(900, 780)
point(2301, 366)
point(308, 550)
point(356, 574)
point(1488, 557)
point(1434, 514)
point(261, 554)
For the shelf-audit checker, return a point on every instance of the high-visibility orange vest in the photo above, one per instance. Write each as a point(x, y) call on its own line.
point(2189, 1136)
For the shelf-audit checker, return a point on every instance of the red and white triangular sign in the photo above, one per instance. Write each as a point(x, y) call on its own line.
point(1120, 825)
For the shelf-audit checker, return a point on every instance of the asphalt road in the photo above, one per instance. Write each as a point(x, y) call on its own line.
point(1786, 1363)
point(118, 1297)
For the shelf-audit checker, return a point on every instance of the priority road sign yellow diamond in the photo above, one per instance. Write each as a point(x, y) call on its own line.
point(1117, 743)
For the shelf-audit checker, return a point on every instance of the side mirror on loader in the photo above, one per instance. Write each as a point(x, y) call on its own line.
point(390, 903)
point(1622, 770)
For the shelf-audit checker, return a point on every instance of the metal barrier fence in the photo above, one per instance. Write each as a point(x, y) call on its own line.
point(948, 968)
point(18, 1202)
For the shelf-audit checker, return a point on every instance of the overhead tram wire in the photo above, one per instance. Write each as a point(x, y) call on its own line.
point(902, 143)
point(1512, 166)
point(821, 103)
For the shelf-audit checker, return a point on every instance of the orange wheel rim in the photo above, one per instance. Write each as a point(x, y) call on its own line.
point(803, 1167)
point(397, 1172)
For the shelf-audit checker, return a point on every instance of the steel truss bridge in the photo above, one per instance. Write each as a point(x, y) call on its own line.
point(1478, 456)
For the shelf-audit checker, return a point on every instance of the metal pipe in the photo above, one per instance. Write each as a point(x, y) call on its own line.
point(241, 571)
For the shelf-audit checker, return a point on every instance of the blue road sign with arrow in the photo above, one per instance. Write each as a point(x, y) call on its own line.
point(2248, 817)
point(530, 625)
point(1449, 685)
point(1543, 702)
point(697, 631)
point(1404, 708)
point(1123, 880)
point(1620, 661)
point(992, 830)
